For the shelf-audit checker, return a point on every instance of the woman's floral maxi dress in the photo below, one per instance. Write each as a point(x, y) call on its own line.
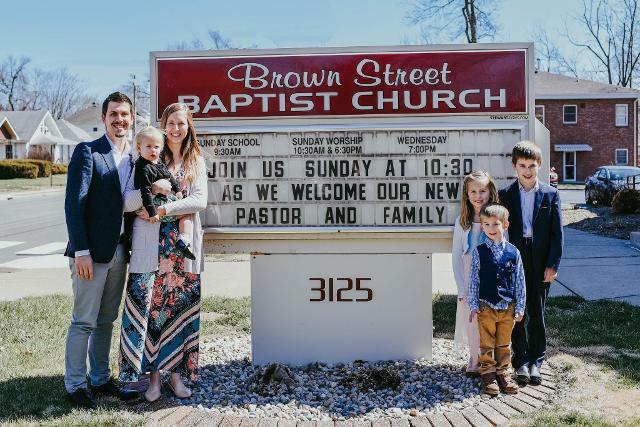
point(161, 317)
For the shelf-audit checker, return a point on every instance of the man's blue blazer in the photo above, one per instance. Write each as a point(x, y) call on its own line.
point(93, 201)
point(547, 225)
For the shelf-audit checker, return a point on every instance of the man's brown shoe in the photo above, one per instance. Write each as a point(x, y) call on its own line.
point(506, 383)
point(489, 384)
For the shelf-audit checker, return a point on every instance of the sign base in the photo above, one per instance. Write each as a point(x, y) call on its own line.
point(334, 308)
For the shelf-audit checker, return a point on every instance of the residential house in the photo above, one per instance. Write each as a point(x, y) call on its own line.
point(36, 134)
point(591, 124)
point(10, 145)
point(89, 119)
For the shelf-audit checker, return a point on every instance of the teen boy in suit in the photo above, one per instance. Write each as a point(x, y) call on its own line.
point(536, 230)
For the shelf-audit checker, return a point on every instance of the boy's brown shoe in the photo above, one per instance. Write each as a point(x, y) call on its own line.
point(506, 383)
point(489, 384)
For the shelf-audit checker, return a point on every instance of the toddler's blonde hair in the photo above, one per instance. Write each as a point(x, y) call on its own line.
point(151, 133)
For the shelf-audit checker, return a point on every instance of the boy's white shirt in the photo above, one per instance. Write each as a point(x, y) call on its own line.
point(527, 206)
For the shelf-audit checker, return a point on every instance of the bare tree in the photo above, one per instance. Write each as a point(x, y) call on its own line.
point(61, 92)
point(473, 18)
point(550, 57)
point(216, 42)
point(611, 39)
point(195, 44)
point(14, 83)
point(219, 42)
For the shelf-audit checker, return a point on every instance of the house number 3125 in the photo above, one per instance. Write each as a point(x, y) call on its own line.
point(343, 287)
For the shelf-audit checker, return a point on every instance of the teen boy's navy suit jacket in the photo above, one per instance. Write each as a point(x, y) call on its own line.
point(93, 202)
point(547, 225)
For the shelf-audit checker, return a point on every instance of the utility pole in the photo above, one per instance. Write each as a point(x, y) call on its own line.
point(133, 77)
point(52, 149)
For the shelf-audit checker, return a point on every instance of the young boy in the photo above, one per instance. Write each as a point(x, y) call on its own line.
point(148, 169)
point(497, 297)
point(536, 230)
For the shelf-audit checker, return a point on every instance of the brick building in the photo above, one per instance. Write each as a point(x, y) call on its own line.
point(591, 124)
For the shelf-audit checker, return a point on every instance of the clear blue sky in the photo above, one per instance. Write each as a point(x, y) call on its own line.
point(105, 42)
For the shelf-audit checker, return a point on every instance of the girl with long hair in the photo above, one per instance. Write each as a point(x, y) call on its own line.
point(478, 190)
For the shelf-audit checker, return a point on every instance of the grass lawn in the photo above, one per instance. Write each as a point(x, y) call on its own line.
point(33, 331)
point(22, 184)
point(32, 340)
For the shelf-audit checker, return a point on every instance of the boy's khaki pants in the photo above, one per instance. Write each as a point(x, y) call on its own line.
point(495, 328)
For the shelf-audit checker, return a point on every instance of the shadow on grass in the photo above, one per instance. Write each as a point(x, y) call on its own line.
point(42, 400)
point(604, 331)
point(444, 316)
point(33, 397)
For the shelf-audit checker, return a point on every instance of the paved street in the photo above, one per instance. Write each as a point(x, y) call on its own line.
point(32, 241)
point(572, 196)
point(33, 232)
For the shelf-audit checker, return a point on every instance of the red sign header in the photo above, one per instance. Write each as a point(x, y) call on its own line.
point(339, 84)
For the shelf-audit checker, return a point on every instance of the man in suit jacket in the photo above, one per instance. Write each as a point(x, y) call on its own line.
point(93, 211)
point(535, 228)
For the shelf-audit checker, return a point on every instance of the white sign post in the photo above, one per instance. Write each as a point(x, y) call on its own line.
point(337, 308)
point(341, 170)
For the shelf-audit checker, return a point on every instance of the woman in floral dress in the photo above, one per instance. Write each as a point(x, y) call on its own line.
point(161, 318)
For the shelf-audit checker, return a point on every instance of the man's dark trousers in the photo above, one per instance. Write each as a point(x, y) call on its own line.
point(528, 339)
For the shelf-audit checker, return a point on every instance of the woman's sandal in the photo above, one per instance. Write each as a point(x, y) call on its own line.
point(179, 396)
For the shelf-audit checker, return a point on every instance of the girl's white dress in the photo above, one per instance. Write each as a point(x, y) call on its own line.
point(464, 242)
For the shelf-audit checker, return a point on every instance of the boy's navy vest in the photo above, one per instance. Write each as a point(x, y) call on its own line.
point(497, 277)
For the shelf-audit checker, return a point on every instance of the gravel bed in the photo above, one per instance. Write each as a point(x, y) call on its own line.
point(227, 385)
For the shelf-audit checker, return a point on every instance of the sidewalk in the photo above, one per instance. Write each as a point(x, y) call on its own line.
point(596, 267)
point(592, 267)
point(223, 278)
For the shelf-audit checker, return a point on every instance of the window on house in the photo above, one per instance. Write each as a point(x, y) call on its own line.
point(8, 152)
point(540, 113)
point(622, 113)
point(569, 114)
point(622, 156)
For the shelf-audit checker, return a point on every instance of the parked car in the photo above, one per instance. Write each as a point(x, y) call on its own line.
point(553, 177)
point(605, 182)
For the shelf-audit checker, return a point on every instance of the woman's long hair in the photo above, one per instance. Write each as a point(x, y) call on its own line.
point(467, 212)
point(190, 148)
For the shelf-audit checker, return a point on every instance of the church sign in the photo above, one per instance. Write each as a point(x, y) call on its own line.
point(340, 170)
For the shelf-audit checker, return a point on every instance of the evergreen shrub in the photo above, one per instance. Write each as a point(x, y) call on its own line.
point(627, 201)
point(10, 169)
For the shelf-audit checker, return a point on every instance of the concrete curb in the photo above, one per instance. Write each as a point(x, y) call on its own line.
point(30, 193)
